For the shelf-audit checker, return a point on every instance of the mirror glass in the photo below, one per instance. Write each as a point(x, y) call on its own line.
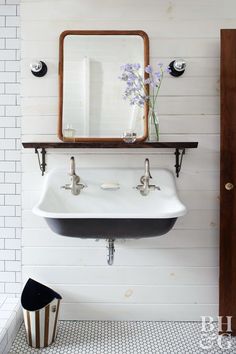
point(93, 107)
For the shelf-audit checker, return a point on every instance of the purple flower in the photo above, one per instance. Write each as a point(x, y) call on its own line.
point(132, 101)
point(123, 77)
point(148, 69)
point(127, 67)
point(135, 83)
point(136, 66)
point(167, 69)
point(138, 85)
point(141, 102)
point(132, 76)
point(158, 75)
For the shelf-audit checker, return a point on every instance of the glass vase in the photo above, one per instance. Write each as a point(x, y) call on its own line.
point(153, 126)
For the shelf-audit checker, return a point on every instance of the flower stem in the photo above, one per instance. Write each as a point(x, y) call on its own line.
point(155, 124)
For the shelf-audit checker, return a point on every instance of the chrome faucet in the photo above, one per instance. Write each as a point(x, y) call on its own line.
point(145, 187)
point(75, 186)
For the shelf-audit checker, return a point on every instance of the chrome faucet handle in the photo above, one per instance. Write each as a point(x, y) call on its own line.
point(153, 187)
point(75, 188)
point(66, 186)
point(82, 185)
point(140, 187)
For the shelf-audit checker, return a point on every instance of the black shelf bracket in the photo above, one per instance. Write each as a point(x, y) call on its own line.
point(178, 160)
point(42, 161)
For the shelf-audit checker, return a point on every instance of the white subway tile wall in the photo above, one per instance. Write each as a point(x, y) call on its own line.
point(10, 135)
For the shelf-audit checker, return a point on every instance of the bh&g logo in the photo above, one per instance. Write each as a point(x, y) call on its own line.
point(212, 332)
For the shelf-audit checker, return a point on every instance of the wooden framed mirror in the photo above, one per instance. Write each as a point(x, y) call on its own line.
point(91, 104)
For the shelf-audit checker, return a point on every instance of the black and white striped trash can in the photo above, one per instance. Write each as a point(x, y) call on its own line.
point(41, 309)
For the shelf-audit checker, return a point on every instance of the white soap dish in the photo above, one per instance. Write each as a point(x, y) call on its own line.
point(110, 186)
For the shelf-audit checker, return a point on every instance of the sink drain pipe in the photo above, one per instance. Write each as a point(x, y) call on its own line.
point(111, 251)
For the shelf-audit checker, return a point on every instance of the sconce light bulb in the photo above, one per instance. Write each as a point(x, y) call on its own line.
point(179, 64)
point(177, 67)
point(38, 68)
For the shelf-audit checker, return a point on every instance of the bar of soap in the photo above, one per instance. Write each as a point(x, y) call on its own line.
point(110, 186)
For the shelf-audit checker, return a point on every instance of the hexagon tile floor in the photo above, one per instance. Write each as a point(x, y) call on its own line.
point(140, 337)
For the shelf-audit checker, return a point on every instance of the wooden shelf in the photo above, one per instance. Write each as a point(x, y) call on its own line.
point(110, 145)
point(179, 147)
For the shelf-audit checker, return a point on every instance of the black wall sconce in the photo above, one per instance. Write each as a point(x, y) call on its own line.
point(38, 68)
point(177, 67)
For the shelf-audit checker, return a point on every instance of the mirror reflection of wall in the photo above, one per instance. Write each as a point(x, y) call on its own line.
point(93, 103)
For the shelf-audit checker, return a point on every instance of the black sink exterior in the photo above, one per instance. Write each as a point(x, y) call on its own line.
point(111, 228)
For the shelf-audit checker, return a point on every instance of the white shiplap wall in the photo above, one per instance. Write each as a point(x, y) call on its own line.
point(174, 277)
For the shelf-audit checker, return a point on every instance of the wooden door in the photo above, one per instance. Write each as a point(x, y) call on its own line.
point(228, 177)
